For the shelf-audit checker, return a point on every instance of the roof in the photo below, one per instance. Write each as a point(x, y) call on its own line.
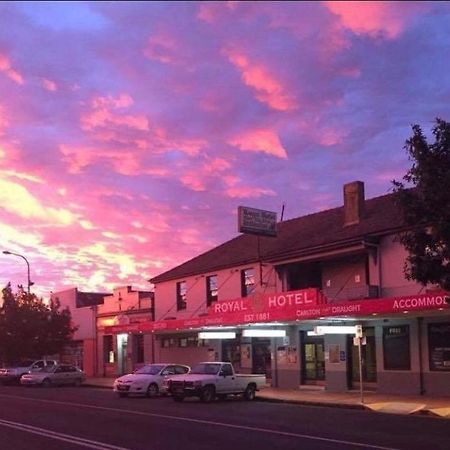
point(302, 235)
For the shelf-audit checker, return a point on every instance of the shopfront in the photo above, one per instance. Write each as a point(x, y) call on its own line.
point(274, 334)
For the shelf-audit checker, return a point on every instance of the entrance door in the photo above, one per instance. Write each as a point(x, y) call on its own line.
point(231, 352)
point(122, 343)
point(261, 357)
point(313, 360)
point(369, 360)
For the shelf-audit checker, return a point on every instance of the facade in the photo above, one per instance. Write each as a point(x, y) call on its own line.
point(99, 353)
point(123, 352)
point(337, 268)
point(83, 308)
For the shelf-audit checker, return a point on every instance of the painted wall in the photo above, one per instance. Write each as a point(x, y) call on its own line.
point(84, 317)
point(229, 287)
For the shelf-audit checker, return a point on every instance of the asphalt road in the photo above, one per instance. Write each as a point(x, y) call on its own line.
point(73, 418)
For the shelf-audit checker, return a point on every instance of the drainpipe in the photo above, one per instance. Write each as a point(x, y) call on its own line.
point(419, 334)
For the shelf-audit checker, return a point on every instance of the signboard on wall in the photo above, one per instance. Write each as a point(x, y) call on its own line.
point(305, 304)
point(257, 221)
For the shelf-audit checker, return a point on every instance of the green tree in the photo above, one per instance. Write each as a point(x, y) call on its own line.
point(423, 196)
point(30, 328)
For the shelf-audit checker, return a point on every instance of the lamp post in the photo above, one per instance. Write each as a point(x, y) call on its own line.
point(30, 283)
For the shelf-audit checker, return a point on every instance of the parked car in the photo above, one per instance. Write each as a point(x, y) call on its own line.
point(13, 373)
point(209, 380)
point(148, 380)
point(54, 375)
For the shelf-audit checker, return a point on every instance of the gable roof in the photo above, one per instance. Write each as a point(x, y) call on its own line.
point(302, 235)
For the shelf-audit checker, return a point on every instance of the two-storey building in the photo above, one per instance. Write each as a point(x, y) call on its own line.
point(259, 302)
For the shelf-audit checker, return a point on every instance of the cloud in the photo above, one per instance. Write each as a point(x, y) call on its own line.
point(49, 85)
point(259, 140)
point(388, 19)
point(7, 69)
point(16, 199)
point(268, 89)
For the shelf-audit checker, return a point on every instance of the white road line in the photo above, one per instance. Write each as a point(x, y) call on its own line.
point(59, 436)
point(206, 422)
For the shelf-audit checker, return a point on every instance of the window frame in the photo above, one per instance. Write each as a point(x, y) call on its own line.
point(181, 295)
point(210, 297)
point(245, 290)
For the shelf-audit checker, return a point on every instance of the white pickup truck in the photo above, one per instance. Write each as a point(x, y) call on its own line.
point(209, 380)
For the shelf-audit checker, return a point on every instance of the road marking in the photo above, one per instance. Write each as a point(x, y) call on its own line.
point(205, 422)
point(59, 436)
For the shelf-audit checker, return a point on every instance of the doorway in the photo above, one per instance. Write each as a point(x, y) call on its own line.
point(231, 352)
point(122, 343)
point(369, 361)
point(261, 357)
point(313, 359)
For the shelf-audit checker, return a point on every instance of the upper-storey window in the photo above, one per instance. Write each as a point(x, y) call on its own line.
point(211, 289)
point(181, 295)
point(247, 282)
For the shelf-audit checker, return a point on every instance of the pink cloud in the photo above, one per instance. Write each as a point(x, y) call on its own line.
point(259, 140)
point(257, 76)
point(6, 68)
point(49, 85)
point(248, 192)
point(373, 18)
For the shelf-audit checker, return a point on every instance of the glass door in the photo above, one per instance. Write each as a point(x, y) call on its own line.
point(313, 360)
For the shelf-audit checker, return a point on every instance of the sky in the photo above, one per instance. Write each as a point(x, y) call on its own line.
point(130, 132)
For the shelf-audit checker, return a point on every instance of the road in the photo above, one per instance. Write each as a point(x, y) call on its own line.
point(73, 418)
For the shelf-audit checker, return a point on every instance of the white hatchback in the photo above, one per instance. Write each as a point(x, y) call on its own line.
point(148, 380)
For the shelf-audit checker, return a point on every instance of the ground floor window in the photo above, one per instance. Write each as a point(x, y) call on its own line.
point(439, 346)
point(396, 349)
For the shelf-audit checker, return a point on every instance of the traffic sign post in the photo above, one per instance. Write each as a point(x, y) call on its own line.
point(358, 340)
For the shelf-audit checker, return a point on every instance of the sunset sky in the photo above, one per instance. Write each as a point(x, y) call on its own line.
point(131, 132)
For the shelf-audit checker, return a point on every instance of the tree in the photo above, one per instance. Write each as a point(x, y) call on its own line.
point(29, 328)
point(424, 199)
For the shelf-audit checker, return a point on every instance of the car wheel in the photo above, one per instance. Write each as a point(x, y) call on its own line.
point(178, 398)
point(152, 390)
point(250, 392)
point(208, 394)
point(46, 382)
point(123, 394)
point(77, 382)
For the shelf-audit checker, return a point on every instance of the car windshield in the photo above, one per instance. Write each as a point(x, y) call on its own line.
point(208, 369)
point(150, 369)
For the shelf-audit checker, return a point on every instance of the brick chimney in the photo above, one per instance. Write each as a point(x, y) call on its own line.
point(353, 202)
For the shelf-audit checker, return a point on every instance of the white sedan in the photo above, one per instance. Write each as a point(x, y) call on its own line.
point(148, 380)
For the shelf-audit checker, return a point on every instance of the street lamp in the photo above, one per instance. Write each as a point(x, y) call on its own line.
point(30, 283)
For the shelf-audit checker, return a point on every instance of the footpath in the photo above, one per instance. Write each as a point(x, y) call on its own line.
point(384, 403)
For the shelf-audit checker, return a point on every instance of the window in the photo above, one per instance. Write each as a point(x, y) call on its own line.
point(108, 351)
point(181, 369)
point(247, 282)
point(439, 346)
point(211, 289)
point(181, 295)
point(396, 348)
point(139, 347)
